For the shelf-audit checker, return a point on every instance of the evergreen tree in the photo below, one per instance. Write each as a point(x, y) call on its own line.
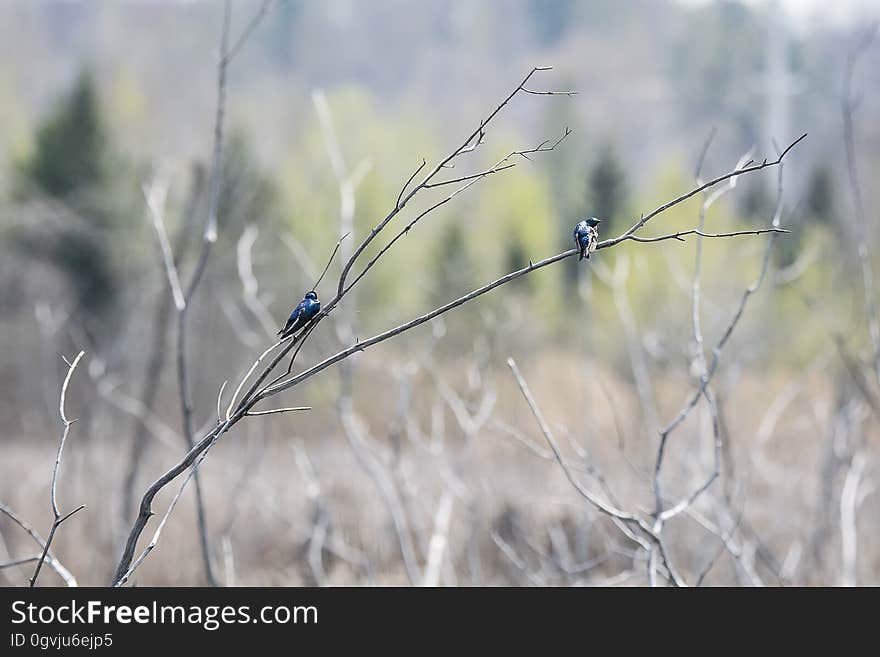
point(452, 268)
point(70, 164)
point(606, 189)
point(755, 202)
point(247, 192)
point(820, 195)
point(71, 144)
point(515, 258)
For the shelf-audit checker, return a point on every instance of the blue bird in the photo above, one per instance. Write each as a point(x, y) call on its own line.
point(586, 237)
point(304, 311)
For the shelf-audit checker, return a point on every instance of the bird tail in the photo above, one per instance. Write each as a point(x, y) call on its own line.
point(581, 255)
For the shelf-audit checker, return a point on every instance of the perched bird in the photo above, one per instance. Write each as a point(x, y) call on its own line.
point(586, 237)
point(304, 311)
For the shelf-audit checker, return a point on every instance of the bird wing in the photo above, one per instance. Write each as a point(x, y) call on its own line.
point(294, 316)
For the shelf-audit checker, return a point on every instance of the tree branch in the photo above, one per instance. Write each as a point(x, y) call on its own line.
point(258, 391)
point(50, 559)
point(58, 518)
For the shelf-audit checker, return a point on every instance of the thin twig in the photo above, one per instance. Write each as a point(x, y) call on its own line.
point(258, 391)
point(249, 284)
point(679, 199)
point(58, 518)
point(156, 194)
point(709, 371)
point(472, 140)
point(280, 410)
point(50, 559)
point(252, 25)
point(600, 505)
point(18, 562)
point(680, 234)
point(329, 261)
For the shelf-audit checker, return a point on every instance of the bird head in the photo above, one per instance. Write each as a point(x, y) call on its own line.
point(592, 222)
point(311, 294)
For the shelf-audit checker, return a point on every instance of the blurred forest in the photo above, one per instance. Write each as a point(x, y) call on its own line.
point(421, 461)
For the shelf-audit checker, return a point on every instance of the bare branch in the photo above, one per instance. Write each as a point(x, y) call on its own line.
point(58, 518)
point(682, 233)
point(709, 200)
point(543, 147)
point(246, 377)
point(849, 504)
point(600, 505)
point(155, 540)
point(468, 145)
point(253, 24)
point(550, 93)
point(258, 390)
point(208, 239)
point(680, 199)
point(46, 555)
point(18, 562)
point(408, 181)
point(250, 285)
point(471, 181)
point(280, 410)
point(439, 540)
point(210, 235)
point(389, 490)
point(156, 194)
point(481, 174)
point(708, 371)
point(329, 260)
point(407, 326)
point(220, 399)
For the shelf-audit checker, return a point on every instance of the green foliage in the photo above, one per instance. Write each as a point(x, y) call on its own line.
point(86, 262)
point(71, 144)
point(802, 312)
point(310, 201)
point(514, 223)
point(755, 200)
point(786, 249)
point(515, 258)
point(452, 267)
point(607, 190)
point(820, 194)
point(71, 163)
point(247, 192)
point(654, 273)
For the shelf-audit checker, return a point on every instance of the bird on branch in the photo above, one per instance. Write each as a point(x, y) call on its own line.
point(304, 311)
point(586, 237)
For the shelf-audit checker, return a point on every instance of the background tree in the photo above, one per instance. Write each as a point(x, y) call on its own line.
point(607, 190)
point(71, 165)
point(71, 144)
point(820, 195)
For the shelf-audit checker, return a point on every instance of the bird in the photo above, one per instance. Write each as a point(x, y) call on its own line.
point(586, 237)
point(304, 311)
